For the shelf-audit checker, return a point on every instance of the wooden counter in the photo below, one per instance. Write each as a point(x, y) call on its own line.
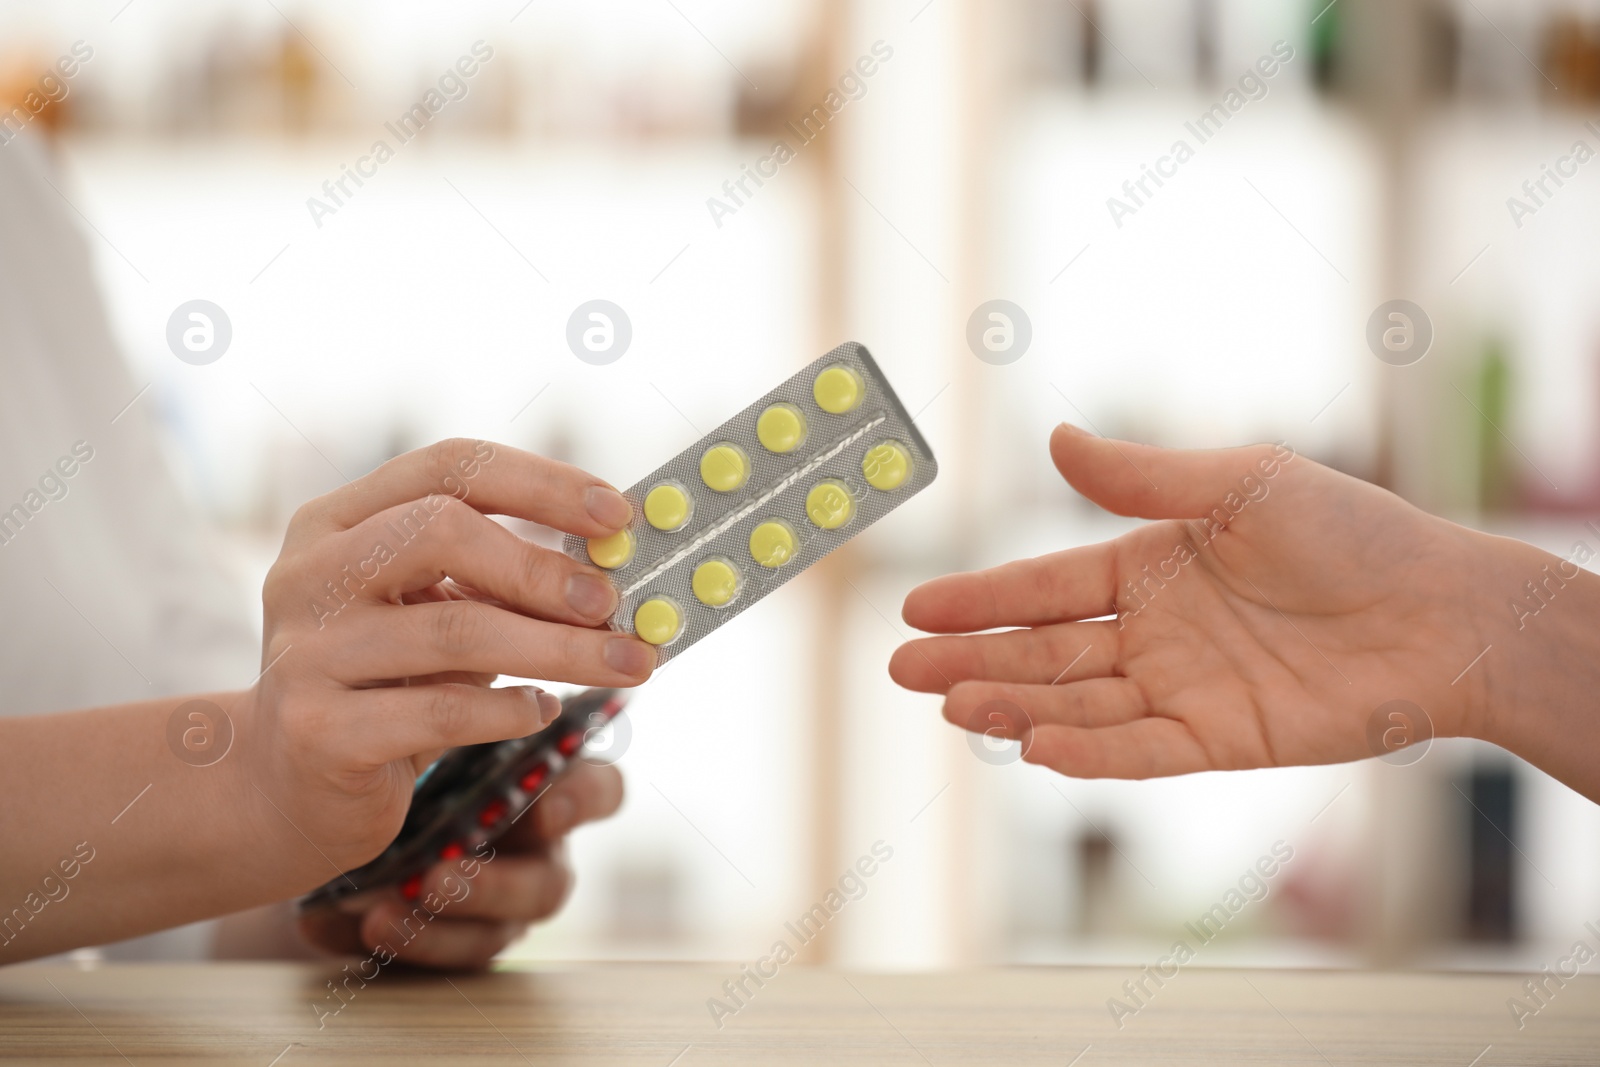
point(265, 1015)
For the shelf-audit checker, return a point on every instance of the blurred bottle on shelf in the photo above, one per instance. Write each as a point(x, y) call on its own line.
point(32, 96)
point(1490, 817)
point(1572, 59)
point(1090, 54)
point(1326, 36)
point(1096, 893)
point(1493, 65)
point(1351, 41)
point(1207, 44)
point(1497, 491)
point(1441, 44)
point(1319, 892)
point(1105, 906)
point(296, 74)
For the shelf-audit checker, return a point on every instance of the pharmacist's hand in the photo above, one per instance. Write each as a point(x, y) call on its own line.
point(395, 599)
point(1261, 624)
point(468, 909)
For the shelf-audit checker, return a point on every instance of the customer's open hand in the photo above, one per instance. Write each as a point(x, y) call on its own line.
point(1261, 623)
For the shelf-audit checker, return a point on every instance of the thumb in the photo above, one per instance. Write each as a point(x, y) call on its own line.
point(1161, 483)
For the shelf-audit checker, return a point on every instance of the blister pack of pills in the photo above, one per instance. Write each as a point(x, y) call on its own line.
point(759, 499)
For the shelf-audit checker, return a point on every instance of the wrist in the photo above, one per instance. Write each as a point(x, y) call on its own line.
point(314, 813)
point(1540, 621)
point(281, 857)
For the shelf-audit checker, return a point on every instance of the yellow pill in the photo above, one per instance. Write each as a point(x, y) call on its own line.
point(830, 505)
point(667, 507)
point(612, 552)
point(657, 621)
point(772, 544)
point(838, 390)
point(724, 467)
point(887, 466)
point(781, 428)
point(716, 582)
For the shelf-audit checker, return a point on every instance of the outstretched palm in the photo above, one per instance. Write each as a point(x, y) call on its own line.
point(1275, 608)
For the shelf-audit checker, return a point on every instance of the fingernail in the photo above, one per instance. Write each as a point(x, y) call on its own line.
point(591, 596)
point(608, 507)
point(549, 707)
point(558, 812)
point(628, 656)
point(1067, 426)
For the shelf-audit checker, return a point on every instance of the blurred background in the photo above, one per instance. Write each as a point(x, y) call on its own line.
point(976, 162)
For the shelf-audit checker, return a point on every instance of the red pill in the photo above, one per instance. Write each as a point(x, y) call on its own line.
point(491, 813)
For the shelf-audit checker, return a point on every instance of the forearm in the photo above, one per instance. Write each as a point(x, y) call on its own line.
point(1541, 673)
point(108, 833)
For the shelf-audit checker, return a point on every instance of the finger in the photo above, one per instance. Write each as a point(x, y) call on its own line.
point(421, 761)
point(396, 722)
point(1045, 655)
point(417, 545)
point(461, 677)
point(424, 939)
point(1160, 483)
point(449, 589)
point(587, 793)
point(1097, 702)
point(462, 635)
point(1078, 583)
point(445, 591)
point(332, 931)
point(512, 887)
point(1149, 748)
point(434, 594)
point(493, 478)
